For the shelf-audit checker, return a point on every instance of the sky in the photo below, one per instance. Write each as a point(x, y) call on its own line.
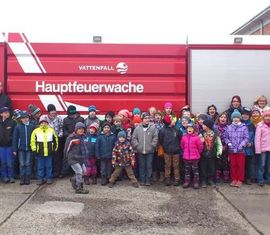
point(127, 19)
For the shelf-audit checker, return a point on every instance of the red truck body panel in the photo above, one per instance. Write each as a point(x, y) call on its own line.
point(111, 76)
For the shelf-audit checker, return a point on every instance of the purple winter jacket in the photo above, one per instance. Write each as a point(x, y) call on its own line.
point(236, 137)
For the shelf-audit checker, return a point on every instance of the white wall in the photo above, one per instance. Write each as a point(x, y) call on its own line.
point(217, 75)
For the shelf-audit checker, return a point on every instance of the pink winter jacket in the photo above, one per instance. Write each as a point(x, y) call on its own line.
point(192, 147)
point(262, 138)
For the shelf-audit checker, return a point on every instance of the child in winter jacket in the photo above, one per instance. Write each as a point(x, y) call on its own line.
point(222, 163)
point(236, 137)
point(123, 158)
point(91, 168)
point(152, 110)
point(256, 116)
point(250, 164)
point(21, 146)
point(76, 152)
point(44, 143)
point(169, 138)
point(7, 125)
point(158, 160)
point(212, 112)
point(144, 142)
point(212, 149)
point(262, 147)
point(168, 110)
point(108, 118)
point(192, 147)
point(92, 116)
point(103, 149)
point(69, 122)
point(117, 125)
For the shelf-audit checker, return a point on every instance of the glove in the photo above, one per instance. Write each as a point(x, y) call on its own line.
point(230, 148)
point(219, 156)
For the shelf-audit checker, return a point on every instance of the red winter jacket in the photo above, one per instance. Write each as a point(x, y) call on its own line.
point(192, 147)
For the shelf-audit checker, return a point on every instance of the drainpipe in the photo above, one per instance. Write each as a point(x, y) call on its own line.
point(261, 24)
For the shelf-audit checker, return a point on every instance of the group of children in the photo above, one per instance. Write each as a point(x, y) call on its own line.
point(202, 149)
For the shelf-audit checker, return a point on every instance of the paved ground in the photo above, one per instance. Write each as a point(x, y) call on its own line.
point(56, 209)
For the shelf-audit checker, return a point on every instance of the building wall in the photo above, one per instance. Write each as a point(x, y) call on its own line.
point(266, 30)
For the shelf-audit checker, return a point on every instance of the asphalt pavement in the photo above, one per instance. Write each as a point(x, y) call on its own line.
point(56, 209)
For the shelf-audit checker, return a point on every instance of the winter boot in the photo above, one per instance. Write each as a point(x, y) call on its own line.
point(81, 190)
point(154, 176)
point(135, 184)
point(86, 180)
point(103, 181)
point(11, 180)
point(204, 185)
point(218, 176)
point(27, 180)
point(94, 179)
point(111, 184)
point(226, 176)
point(176, 182)
point(196, 182)
point(49, 181)
point(22, 180)
point(73, 183)
point(187, 181)
point(161, 177)
point(211, 183)
point(167, 181)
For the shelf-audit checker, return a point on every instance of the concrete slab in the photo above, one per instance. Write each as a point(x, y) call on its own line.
point(126, 210)
point(12, 196)
point(253, 202)
point(58, 207)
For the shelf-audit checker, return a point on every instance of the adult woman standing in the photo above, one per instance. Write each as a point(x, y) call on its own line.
point(235, 104)
point(261, 104)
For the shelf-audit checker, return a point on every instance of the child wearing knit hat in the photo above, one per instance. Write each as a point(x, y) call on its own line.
point(192, 147)
point(35, 114)
point(211, 151)
point(169, 138)
point(136, 112)
point(91, 168)
point(56, 122)
point(158, 161)
point(222, 163)
point(236, 138)
point(168, 110)
point(255, 116)
point(76, 152)
point(262, 148)
point(250, 161)
point(123, 157)
point(44, 148)
point(136, 120)
point(7, 125)
point(21, 147)
point(103, 150)
point(117, 125)
point(92, 116)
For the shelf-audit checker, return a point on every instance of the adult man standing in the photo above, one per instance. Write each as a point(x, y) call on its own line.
point(4, 99)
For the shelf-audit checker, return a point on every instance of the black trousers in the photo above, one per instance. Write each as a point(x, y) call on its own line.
point(207, 168)
point(105, 167)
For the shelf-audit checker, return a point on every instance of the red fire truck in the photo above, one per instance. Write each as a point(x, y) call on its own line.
point(124, 76)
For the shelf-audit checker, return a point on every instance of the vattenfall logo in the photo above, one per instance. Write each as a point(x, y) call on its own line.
point(121, 68)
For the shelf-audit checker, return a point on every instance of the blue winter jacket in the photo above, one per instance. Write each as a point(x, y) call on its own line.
point(21, 137)
point(104, 145)
point(249, 151)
